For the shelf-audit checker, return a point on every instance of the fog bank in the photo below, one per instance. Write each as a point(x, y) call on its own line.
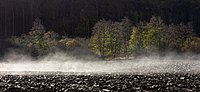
point(64, 63)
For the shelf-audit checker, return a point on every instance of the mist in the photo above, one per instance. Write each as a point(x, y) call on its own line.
point(62, 62)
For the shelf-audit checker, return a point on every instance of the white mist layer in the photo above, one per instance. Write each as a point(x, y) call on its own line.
point(63, 63)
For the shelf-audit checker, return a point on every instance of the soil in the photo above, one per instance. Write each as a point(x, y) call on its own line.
point(169, 82)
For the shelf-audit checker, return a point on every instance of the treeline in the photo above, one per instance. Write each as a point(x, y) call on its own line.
point(75, 18)
point(112, 39)
point(39, 42)
point(120, 39)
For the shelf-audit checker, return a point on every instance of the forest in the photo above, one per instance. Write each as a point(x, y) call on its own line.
point(111, 39)
point(104, 28)
point(76, 18)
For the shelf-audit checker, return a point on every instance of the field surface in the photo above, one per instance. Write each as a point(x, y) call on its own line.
point(62, 82)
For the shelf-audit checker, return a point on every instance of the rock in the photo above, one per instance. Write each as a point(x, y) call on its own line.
point(105, 90)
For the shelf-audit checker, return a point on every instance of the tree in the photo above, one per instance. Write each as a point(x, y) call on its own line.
point(98, 40)
point(136, 39)
point(176, 35)
point(116, 39)
point(106, 39)
point(38, 42)
point(191, 45)
point(126, 33)
point(152, 35)
point(36, 34)
point(147, 37)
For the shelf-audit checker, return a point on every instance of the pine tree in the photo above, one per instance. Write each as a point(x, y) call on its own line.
point(37, 28)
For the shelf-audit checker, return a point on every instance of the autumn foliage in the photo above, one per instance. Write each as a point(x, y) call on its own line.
point(111, 39)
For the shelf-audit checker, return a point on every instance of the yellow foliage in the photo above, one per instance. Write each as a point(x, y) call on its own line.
point(71, 43)
point(133, 42)
point(191, 44)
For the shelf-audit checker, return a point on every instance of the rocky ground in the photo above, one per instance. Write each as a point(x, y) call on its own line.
point(100, 82)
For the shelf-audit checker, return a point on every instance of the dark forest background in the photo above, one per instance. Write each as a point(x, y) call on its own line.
point(74, 18)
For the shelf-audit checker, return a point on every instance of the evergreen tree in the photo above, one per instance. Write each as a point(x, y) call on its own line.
point(37, 28)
